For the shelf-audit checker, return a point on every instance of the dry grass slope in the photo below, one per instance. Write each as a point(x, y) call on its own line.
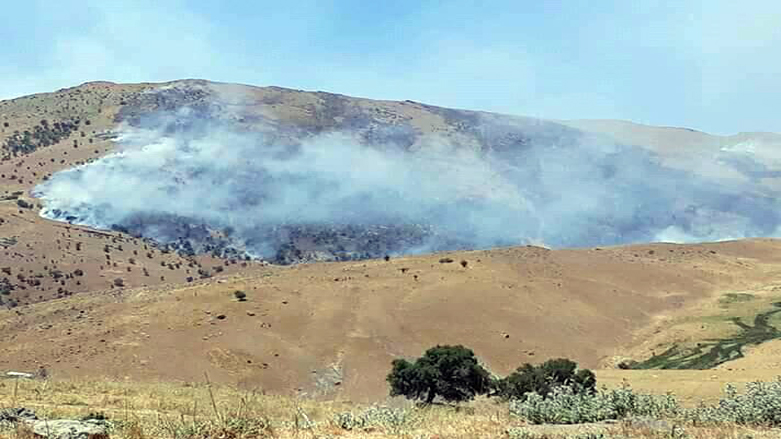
point(157, 410)
point(331, 330)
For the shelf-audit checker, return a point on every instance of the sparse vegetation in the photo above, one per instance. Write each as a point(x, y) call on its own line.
point(759, 406)
point(565, 404)
point(193, 410)
point(5, 287)
point(730, 298)
point(241, 296)
point(42, 135)
point(394, 420)
point(714, 352)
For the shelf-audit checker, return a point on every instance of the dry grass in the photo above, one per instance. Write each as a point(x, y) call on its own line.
point(150, 410)
point(198, 410)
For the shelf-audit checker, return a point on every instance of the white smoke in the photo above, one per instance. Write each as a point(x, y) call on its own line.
point(581, 193)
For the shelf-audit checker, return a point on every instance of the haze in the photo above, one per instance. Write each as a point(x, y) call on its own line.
point(707, 65)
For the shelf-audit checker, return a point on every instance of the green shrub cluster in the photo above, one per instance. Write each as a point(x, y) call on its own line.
point(543, 378)
point(760, 405)
point(453, 373)
point(566, 406)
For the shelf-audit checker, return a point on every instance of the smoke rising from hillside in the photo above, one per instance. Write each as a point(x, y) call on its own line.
point(184, 179)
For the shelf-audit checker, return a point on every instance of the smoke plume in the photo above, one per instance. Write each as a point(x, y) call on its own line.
point(202, 185)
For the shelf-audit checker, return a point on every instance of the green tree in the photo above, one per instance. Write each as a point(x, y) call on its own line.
point(543, 378)
point(450, 372)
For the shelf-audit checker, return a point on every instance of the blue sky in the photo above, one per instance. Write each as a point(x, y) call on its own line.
point(710, 65)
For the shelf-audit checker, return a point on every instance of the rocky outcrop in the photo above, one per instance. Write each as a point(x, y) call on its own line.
point(54, 428)
point(17, 414)
point(70, 429)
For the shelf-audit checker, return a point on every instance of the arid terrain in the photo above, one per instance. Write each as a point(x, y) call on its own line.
point(86, 303)
point(332, 329)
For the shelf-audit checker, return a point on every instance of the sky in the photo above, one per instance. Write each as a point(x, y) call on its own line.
point(711, 65)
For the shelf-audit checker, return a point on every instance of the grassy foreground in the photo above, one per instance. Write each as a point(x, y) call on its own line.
point(179, 410)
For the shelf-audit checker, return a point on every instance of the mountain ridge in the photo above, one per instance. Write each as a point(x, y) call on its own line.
point(85, 301)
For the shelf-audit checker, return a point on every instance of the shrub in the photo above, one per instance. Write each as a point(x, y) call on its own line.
point(565, 406)
point(234, 427)
point(373, 417)
point(241, 296)
point(95, 416)
point(525, 433)
point(450, 372)
point(543, 378)
point(23, 204)
point(760, 406)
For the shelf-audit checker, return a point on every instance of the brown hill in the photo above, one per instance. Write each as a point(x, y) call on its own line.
point(332, 328)
point(46, 133)
point(127, 309)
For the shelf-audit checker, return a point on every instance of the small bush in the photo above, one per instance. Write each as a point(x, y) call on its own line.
point(564, 406)
point(239, 427)
point(241, 296)
point(95, 416)
point(375, 417)
point(759, 406)
point(526, 433)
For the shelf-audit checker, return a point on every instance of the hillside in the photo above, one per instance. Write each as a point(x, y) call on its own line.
point(331, 329)
point(398, 178)
point(130, 214)
point(684, 148)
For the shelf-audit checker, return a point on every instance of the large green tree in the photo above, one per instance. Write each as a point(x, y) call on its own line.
point(450, 372)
